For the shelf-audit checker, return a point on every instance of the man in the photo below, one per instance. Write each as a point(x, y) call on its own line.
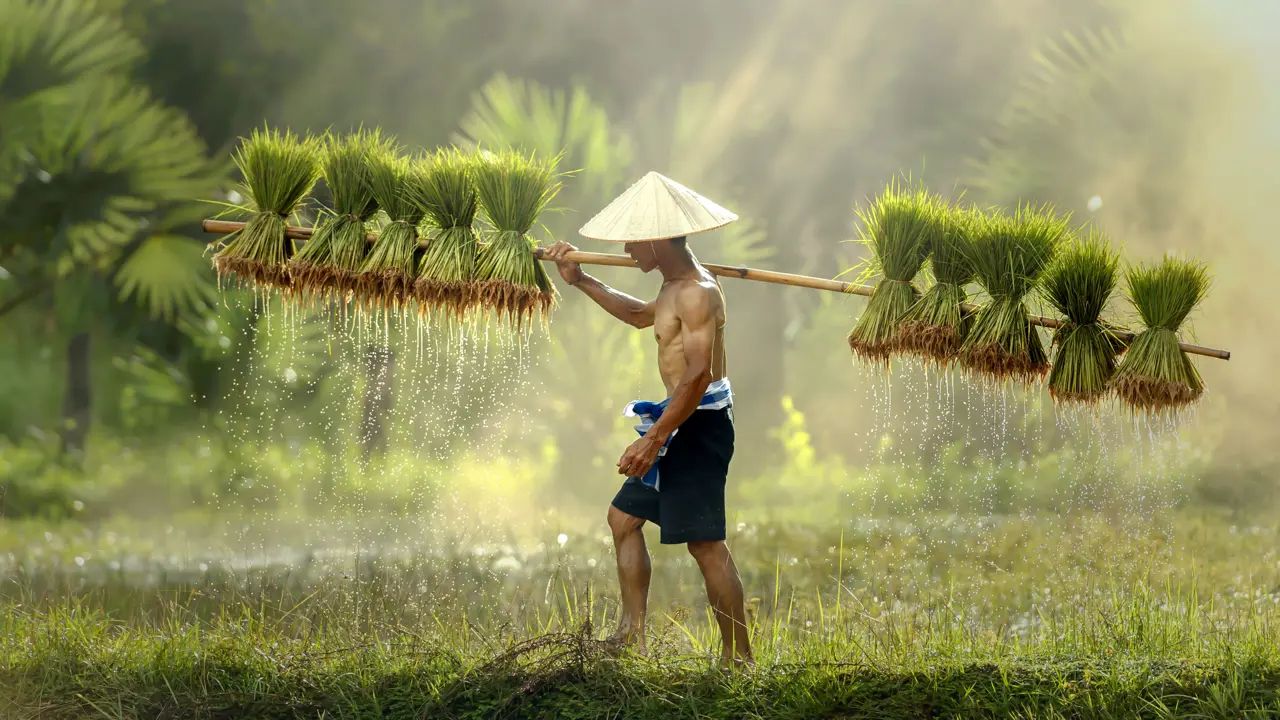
point(676, 471)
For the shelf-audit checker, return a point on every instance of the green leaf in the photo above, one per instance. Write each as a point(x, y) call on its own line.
point(169, 275)
point(512, 114)
point(46, 45)
point(102, 163)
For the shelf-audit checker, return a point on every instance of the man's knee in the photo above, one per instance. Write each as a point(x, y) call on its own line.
point(621, 523)
point(705, 550)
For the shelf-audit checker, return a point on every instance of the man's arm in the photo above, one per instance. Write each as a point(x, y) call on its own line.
point(632, 311)
point(696, 306)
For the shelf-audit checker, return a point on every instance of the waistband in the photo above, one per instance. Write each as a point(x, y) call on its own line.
point(718, 396)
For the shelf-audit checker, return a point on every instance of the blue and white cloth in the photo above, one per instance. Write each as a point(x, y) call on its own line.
point(717, 397)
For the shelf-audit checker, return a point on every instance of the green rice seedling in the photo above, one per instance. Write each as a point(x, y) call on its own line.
point(937, 323)
point(1155, 374)
point(1009, 254)
point(351, 247)
point(386, 278)
point(329, 260)
point(1079, 284)
point(279, 169)
point(446, 275)
point(514, 189)
point(897, 228)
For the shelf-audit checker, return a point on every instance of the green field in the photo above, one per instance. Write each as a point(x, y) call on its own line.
point(929, 616)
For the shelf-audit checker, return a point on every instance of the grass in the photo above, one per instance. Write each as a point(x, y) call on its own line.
point(1155, 374)
point(446, 275)
point(514, 189)
point(1079, 284)
point(899, 228)
point(78, 664)
point(1036, 617)
point(327, 262)
point(1008, 254)
point(279, 170)
point(935, 327)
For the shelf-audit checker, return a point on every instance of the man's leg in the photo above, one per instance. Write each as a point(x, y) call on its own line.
point(634, 572)
point(724, 591)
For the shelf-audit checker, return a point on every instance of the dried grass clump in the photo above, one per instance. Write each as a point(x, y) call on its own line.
point(327, 263)
point(278, 171)
point(1079, 284)
point(1155, 374)
point(514, 189)
point(446, 276)
point(386, 278)
point(1008, 255)
point(897, 228)
point(936, 325)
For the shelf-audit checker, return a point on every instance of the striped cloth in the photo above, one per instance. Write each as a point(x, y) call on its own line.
point(718, 396)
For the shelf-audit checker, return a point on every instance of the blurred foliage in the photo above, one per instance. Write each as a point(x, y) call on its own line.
point(327, 477)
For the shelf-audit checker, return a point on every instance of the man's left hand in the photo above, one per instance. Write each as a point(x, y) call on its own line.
point(640, 456)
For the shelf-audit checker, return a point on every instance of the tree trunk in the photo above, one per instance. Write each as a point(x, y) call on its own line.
point(379, 375)
point(78, 401)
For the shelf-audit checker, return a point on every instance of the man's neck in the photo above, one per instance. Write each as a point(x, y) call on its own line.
point(680, 266)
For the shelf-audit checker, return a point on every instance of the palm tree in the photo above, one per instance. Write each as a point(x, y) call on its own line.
point(96, 180)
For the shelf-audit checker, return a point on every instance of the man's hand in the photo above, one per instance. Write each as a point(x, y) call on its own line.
point(569, 270)
point(640, 456)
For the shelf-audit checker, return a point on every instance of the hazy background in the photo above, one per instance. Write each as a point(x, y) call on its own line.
point(128, 385)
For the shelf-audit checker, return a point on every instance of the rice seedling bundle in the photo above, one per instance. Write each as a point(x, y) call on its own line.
point(1008, 255)
point(1079, 284)
point(1155, 374)
point(937, 323)
point(328, 262)
point(897, 229)
point(279, 170)
point(446, 276)
point(386, 278)
point(513, 190)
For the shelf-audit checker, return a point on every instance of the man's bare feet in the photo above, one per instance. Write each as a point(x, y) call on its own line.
point(625, 639)
point(731, 664)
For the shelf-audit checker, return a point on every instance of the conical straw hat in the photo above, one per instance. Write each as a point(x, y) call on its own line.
point(656, 208)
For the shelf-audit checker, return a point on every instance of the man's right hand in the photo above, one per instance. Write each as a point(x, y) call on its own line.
point(569, 270)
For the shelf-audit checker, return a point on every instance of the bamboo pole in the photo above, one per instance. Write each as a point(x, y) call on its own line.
point(222, 227)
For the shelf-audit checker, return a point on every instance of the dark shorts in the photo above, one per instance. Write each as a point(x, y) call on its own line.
point(690, 506)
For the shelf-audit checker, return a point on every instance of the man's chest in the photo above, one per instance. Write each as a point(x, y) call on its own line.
point(666, 321)
point(666, 326)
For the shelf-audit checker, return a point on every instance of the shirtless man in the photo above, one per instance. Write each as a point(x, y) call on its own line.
point(685, 496)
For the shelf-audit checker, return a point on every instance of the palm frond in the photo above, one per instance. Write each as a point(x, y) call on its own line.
point(46, 45)
point(105, 160)
point(167, 274)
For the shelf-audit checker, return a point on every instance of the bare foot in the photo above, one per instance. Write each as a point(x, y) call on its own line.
point(734, 664)
point(624, 639)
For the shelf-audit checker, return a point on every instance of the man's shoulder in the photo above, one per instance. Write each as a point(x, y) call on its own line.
point(697, 294)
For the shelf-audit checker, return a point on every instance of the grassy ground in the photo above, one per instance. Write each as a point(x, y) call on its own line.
point(939, 617)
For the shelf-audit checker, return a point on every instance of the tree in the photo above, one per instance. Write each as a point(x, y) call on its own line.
point(96, 180)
